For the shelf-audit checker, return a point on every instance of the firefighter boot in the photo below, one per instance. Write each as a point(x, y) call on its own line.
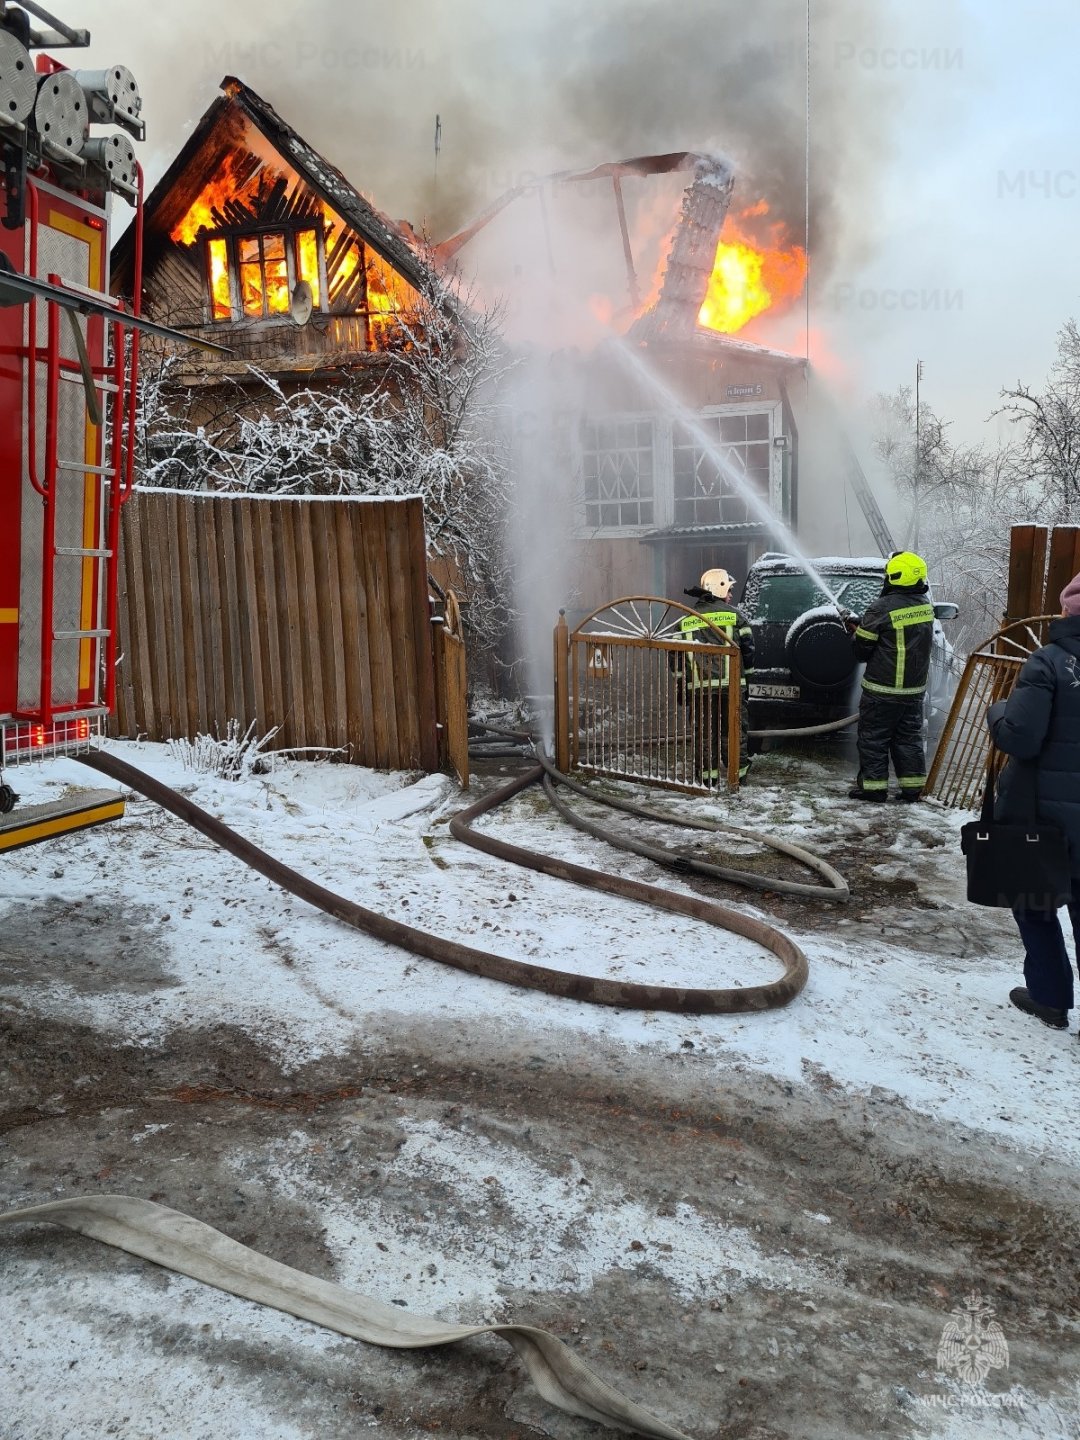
point(877, 796)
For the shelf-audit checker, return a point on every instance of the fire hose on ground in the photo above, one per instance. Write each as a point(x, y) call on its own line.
point(835, 888)
point(184, 1244)
point(798, 731)
point(595, 990)
point(181, 1243)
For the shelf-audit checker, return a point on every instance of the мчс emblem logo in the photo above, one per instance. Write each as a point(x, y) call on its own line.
point(972, 1342)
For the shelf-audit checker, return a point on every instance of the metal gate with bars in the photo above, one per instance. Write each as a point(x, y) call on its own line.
point(958, 773)
point(627, 703)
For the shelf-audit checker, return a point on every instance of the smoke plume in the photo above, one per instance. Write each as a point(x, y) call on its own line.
point(524, 90)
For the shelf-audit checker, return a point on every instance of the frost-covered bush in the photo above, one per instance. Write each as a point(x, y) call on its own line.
point(420, 419)
point(234, 757)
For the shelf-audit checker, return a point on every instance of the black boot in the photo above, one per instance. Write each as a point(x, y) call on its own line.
point(1048, 1014)
point(877, 797)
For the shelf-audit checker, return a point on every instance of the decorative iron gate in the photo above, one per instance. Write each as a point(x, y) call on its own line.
point(958, 773)
point(636, 698)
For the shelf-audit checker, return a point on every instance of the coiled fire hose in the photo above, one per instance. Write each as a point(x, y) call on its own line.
point(836, 887)
point(190, 1247)
point(595, 990)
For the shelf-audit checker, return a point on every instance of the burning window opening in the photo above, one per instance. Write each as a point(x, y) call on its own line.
point(253, 276)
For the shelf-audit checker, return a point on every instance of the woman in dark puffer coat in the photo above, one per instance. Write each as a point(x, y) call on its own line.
point(1039, 728)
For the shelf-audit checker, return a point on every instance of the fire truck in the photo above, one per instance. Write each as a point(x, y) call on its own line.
point(69, 357)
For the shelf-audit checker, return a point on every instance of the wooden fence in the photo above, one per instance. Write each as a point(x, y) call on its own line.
point(310, 614)
point(1042, 561)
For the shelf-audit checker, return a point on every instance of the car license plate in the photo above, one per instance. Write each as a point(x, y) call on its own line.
point(774, 692)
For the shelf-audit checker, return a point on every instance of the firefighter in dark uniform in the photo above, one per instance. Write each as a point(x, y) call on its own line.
point(706, 682)
point(895, 638)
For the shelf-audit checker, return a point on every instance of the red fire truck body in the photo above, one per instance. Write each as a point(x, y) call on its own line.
point(68, 365)
point(58, 501)
point(68, 360)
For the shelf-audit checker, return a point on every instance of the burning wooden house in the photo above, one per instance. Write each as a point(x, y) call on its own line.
point(694, 447)
point(685, 446)
point(256, 241)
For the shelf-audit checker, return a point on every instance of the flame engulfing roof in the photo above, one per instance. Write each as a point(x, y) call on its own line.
point(707, 288)
point(215, 133)
point(692, 256)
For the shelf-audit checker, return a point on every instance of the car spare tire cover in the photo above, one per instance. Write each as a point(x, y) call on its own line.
point(818, 650)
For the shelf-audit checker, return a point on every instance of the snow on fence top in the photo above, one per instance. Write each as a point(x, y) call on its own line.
point(277, 497)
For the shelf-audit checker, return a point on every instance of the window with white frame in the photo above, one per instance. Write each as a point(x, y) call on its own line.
point(710, 493)
point(618, 473)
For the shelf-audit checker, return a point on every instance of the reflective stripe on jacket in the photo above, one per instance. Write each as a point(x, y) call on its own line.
point(713, 670)
point(895, 637)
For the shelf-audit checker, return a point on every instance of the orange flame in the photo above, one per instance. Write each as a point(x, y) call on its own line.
point(219, 280)
point(307, 262)
point(223, 186)
point(753, 271)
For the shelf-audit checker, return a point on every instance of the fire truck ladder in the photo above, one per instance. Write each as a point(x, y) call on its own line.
point(854, 473)
point(51, 473)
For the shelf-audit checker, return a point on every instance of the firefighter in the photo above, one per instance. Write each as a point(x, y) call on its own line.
point(894, 637)
point(705, 682)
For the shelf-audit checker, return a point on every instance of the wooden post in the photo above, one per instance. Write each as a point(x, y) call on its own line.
point(438, 647)
point(1064, 564)
point(1027, 568)
point(734, 710)
point(562, 710)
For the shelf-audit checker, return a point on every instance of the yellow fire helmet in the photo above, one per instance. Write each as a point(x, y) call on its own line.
point(905, 568)
point(720, 583)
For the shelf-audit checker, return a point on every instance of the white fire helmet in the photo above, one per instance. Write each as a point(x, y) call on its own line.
point(718, 583)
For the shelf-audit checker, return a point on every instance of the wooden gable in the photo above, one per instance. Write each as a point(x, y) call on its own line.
point(246, 212)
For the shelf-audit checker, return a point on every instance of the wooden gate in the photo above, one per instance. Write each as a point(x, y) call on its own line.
point(451, 690)
point(627, 703)
point(1041, 564)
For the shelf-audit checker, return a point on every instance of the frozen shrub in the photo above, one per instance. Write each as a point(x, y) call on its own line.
point(234, 757)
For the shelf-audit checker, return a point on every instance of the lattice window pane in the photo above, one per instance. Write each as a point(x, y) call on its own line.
point(617, 473)
point(709, 493)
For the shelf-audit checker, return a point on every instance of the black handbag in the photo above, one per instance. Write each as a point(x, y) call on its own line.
point(1022, 866)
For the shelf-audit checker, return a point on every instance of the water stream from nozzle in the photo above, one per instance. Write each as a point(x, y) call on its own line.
point(636, 362)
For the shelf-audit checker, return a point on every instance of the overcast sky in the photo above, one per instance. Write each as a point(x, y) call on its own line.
point(945, 175)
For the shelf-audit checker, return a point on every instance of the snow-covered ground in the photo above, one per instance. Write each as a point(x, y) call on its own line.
point(906, 1007)
point(911, 1001)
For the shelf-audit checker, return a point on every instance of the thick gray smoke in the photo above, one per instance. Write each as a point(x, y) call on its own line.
point(523, 90)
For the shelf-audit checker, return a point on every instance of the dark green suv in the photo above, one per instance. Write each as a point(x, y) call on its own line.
point(804, 670)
